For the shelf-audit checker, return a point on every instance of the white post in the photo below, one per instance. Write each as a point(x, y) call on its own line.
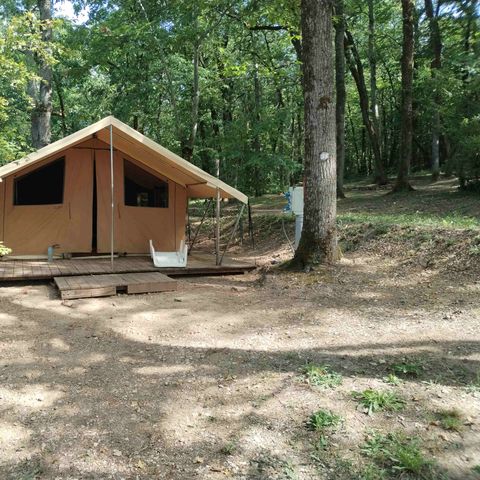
point(112, 225)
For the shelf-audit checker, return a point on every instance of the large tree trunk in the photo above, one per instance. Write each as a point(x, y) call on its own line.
point(318, 243)
point(402, 183)
point(436, 65)
point(356, 68)
point(41, 89)
point(341, 93)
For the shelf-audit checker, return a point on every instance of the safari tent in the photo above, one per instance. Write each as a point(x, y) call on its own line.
point(106, 188)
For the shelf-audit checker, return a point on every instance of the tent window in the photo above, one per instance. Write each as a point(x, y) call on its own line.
point(43, 186)
point(142, 189)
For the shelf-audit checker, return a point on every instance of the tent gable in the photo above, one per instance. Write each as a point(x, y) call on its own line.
point(142, 149)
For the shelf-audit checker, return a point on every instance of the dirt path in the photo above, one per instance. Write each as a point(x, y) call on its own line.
point(205, 382)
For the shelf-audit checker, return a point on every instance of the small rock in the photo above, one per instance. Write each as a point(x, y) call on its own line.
point(117, 453)
point(198, 460)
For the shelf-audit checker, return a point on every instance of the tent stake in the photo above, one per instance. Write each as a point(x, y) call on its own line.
point(239, 216)
point(113, 198)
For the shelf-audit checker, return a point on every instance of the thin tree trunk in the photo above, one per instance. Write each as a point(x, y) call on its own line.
point(318, 243)
point(372, 60)
point(435, 66)
point(41, 89)
point(341, 94)
point(62, 104)
point(402, 183)
point(188, 148)
point(356, 68)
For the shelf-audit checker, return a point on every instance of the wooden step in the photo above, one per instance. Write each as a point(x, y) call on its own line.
point(85, 286)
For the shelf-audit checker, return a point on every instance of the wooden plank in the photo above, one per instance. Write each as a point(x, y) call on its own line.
point(153, 282)
point(198, 264)
point(88, 293)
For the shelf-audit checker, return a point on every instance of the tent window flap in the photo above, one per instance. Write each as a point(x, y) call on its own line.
point(142, 189)
point(43, 186)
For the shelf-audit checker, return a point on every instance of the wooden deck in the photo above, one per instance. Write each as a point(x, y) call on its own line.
point(87, 286)
point(198, 264)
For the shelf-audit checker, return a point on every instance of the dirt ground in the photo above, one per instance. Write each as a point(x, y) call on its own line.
point(206, 382)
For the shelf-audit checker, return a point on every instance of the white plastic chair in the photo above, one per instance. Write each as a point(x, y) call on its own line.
point(170, 259)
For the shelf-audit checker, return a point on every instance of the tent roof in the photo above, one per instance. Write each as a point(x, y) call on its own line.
point(199, 184)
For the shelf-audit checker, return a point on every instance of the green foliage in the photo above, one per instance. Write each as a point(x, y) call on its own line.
point(376, 400)
point(450, 419)
point(408, 368)
point(324, 419)
point(229, 448)
point(134, 60)
point(400, 456)
point(322, 376)
point(474, 386)
point(392, 379)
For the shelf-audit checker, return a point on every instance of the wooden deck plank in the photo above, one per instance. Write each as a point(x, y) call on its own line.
point(198, 264)
point(107, 284)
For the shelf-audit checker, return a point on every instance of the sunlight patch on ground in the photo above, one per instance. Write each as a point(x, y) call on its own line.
point(164, 370)
point(7, 320)
point(31, 397)
point(13, 441)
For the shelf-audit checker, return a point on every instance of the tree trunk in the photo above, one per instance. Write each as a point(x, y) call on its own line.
point(402, 183)
point(435, 66)
point(372, 60)
point(318, 243)
point(188, 148)
point(41, 89)
point(61, 102)
point(341, 94)
point(356, 68)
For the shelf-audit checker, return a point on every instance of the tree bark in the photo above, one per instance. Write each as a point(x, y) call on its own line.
point(41, 89)
point(435, 66)
point(356, 68)
point(341, 93)
point(406, 140)
point(318, 243)
point(372, 60)
point(190, 145)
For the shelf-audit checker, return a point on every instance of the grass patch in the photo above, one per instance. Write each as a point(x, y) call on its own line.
point(229, 448)
point(408, 369)
point(324, 419)
point(454, 220)
point(450, 420)
point(377, 401)
point(321, 376)
point(392, 379)
point(399, 456)
point(476, 468)
point(474, 386)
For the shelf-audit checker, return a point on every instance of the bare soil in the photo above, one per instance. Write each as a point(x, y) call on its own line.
point(206, 382)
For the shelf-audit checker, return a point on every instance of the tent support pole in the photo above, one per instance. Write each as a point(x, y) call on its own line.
point(113, 197)
point(217, 229)
point(239, 216)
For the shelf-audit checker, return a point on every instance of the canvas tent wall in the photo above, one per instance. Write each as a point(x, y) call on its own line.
point(73, 208)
